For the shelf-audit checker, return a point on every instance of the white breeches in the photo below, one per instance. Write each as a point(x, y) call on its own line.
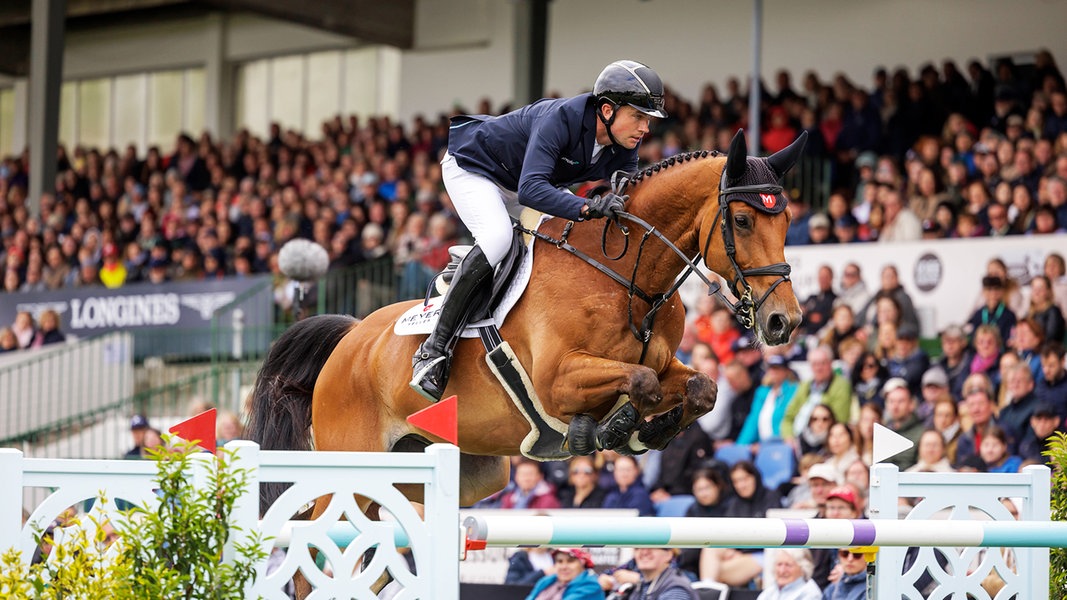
point(485, 207)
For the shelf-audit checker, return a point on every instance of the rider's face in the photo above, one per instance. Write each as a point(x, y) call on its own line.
point(630, 125)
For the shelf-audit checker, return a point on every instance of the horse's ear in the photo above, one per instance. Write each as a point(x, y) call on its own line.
point(784, 159)
point(737, 157)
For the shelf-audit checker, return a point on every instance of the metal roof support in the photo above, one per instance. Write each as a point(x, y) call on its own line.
point(46, 77)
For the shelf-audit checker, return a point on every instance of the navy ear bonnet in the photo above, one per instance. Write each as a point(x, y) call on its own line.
point(757, 173)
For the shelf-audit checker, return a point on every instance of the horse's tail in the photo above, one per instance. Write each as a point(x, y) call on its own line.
point(280, 408)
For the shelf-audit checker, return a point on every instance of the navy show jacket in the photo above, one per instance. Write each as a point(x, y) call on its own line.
point(538, 149)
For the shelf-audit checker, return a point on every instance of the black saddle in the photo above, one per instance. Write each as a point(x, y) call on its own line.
point(489, 298)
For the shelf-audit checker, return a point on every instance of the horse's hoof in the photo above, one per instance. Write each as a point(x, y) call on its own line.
point(617, 428)
point(658, 432)
point(581, 435)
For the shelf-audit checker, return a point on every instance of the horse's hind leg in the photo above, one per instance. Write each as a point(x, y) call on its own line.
point(695, 393)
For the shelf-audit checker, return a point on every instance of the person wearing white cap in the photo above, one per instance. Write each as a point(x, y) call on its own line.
point(821, 478)
point(819, 231)
point(934, 390)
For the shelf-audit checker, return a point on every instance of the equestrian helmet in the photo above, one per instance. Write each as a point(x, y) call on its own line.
point(630, 82)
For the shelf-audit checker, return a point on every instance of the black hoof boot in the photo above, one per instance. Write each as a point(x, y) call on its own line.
point(581, 435)
point(615, 431)
point(658, 432)
point(628, 450)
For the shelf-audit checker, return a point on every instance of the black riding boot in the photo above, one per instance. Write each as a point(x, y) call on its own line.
point(432, 360)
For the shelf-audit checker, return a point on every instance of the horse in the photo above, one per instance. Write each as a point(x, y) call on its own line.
point(590, 338)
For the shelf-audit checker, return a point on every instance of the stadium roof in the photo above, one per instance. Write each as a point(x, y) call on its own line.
point(391, 23)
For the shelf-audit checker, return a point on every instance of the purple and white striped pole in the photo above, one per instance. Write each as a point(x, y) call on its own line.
point(512, 531)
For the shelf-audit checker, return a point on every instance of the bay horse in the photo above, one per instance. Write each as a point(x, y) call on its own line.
point(585, 340)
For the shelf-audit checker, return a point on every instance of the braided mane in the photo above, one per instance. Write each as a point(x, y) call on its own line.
point(669, 162)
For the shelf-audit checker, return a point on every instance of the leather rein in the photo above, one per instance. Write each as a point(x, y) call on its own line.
point(744, 309)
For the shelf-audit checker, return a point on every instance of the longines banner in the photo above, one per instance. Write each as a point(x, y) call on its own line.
point(89, 311)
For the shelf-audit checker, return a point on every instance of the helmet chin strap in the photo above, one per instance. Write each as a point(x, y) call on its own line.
point(608, 122)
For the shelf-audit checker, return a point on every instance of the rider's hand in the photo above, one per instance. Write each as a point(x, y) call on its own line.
point(604, 205)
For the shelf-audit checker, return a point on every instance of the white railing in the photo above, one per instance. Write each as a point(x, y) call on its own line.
point(433, 540)
point(38, 388)
point(956, 572)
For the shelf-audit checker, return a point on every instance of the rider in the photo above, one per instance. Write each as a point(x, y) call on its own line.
point(526, 157)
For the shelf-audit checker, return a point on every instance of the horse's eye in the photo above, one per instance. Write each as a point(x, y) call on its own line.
point(742, 221)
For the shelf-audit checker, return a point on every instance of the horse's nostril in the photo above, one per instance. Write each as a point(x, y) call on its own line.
point(776, 324)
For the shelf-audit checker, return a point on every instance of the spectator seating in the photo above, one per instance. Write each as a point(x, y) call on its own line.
point(732, 453)
point(776, 463)
point(711, 590)
point(675, 506)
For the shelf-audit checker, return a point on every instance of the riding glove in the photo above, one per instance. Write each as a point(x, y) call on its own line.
point(604, 205)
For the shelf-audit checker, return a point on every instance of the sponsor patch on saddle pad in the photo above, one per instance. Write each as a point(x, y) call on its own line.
point(421, 318)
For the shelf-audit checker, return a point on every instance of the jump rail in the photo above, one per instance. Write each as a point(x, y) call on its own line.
point(651, 532)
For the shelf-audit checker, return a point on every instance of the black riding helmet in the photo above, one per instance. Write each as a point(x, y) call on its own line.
point(630, 82)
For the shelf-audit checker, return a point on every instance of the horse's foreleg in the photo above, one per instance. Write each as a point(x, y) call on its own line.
point(692, 391)
point(585, 383)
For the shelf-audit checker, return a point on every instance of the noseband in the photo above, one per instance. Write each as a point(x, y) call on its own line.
point(745, 308)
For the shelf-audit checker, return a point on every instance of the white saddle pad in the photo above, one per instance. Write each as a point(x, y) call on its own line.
point(421, 318)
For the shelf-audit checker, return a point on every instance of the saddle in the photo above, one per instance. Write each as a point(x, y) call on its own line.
point(489, 299)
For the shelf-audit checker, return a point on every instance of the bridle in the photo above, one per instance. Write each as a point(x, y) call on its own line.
point(744, 309)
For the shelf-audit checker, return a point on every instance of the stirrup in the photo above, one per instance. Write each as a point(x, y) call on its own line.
point(419, 377)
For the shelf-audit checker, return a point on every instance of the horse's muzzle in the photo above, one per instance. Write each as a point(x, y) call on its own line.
point(778, 326)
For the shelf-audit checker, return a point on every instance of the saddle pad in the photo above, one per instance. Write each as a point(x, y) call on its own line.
point(421, 318)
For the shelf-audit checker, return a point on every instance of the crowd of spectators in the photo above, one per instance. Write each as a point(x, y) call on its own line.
point(977, 400)
point(939, 155)
point(936, 155)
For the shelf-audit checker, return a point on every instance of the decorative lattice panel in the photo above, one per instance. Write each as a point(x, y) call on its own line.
point(958, 573)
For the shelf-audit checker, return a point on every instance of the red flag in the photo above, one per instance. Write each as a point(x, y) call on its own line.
point(439, 419)
point(199, 429)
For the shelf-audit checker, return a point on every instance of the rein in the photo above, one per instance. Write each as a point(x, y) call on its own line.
point(655, 301)
point(744, 309)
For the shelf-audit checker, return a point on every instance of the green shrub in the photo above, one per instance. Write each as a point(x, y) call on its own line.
point(173, 549)
point(1057, 572)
